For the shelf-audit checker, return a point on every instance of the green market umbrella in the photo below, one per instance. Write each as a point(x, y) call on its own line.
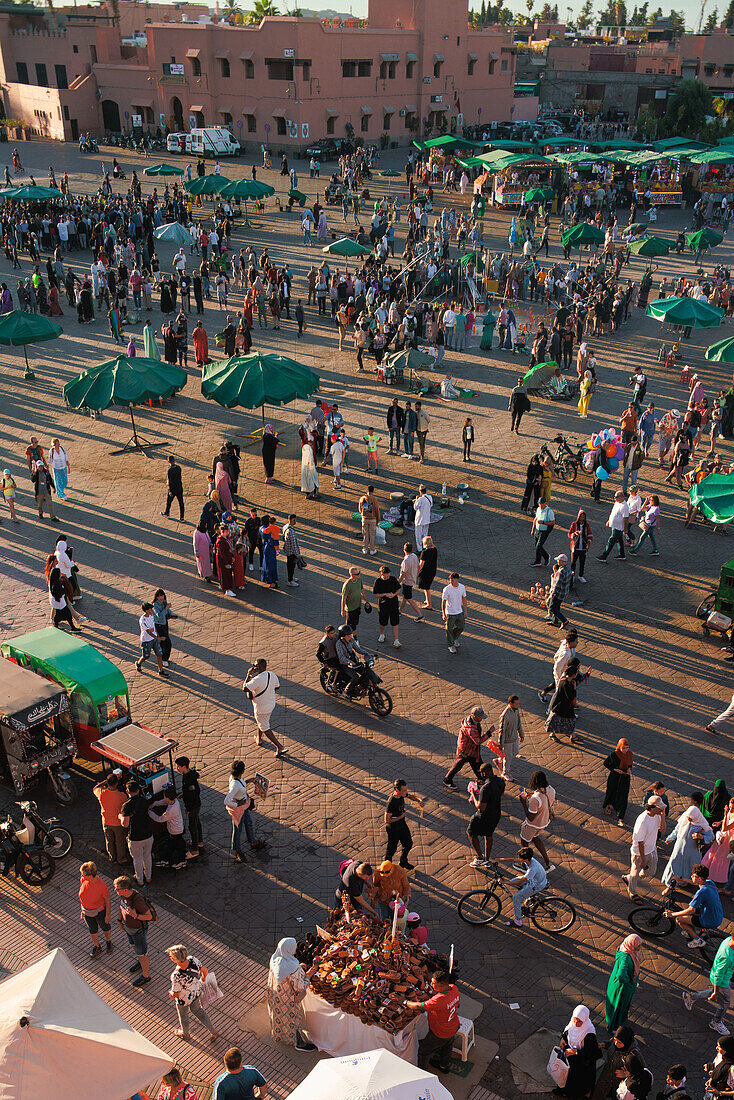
point(714, 497)
point(389, 173)
point(32, 193)
point(723, 352)
point(633, 227)
point(246, 189)
point(18, 329)
point(581, 234)
point(163, 170)
point(410, 360)
point(173, 232)
point(539, 376)
point(538, 194)
point(703, 238)
point(650, 246)
point(206, 185)
point(127, 381)
point(256, 380)
point(688, 312)
point(345, 246)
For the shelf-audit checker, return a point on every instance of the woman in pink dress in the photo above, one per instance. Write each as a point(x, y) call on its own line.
point(223, 482)
point(717, 857)
point(203, 552)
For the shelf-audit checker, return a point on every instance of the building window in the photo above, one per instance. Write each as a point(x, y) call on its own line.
point(251, 124)
point(492, 64)
point(330, 124)
point(306, 70)
point(224, 67)
point(728, 70)
point(388, 70)
point(365, 124)
point(66, 113)
point(93, 54)
point(383, 70)
point(227, 120)
point(437, 68)
point(249, 70)
point(279, 70)
point(75, 49)
point(709, 70)
point(195, 66)
point(356, 68)
point(364, 68)
point(409, 116)
point(470, 67)
point(386, 121)
point(61, 80)
point(349, 69)
point(21, 72)
point(41, 75)
point(280, 126)
point(409, 69)
point(503, 66)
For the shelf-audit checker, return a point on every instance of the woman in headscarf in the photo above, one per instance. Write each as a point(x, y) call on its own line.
point(224, 560)
point(717, 857)
point(53, 302)
point(715, 802)
point(619, 763)
point(622, 982)
point(203, 552)
point(170, 343)
point(532, 484)
point(581, 538)
point(690, 827)
point(223, 485)
point(585, 397)
point(201, 344)
point(270, 536)
point(562, 707)
point(579, 1044)
point(637, 1083)
point(309, 473)
point(150, 348)
point(166, 300)
point(721, 1077)
point(269, 448)
point(210, 514)
point(287, 985)
point(85, 310)
point(612, 1072)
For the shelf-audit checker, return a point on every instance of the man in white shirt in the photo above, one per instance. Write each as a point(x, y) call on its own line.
point(179, 261)
point(422, 505)
point(449, 327)
point(149, 640)
point(173, 817)
point(453, 611)
point(261, 686)
point(644, 850)
point(617, 523)
point(544, 521)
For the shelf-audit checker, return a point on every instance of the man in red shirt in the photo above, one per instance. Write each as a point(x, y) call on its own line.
point(443, 1022)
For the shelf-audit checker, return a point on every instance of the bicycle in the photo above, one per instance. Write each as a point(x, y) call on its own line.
point(567, 459)
point(548, 912)
point(650, 921)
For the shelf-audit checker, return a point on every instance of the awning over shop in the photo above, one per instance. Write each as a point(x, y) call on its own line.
point(332, 112)
point(246, 55)
point(389, 56)
point(473, 56)
point(142, 103)
point(195, 107)
point(388, 110)
point(193, 53)
point(224, 54)
point(411, 108)
point(438, 57)
point(366, 110)
point(411, 56)
point(279, 112)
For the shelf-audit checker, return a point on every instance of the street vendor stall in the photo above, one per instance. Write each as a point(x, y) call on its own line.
point(98, 692)
point(36, 735)
point(514, 173)
point(656, 173)
point(366, 972)
point(139, 752)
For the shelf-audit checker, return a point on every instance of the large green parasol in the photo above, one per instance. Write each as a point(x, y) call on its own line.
point(345, 246)
point(206, 185)
point(30, 192)
point(255, 380)
point(704, 238)
point(173, 232)
point(723, 352)
point(18, 329)
point(127, 381)
point(163, 170)
point(246, 189)
point(688, 312)
point(714, 497)
point(538, 194)
point(581, 234)
point(650, 246)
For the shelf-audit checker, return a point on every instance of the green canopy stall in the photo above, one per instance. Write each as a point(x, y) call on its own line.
point(714, 498)
point(255, 380)
point(18, 329)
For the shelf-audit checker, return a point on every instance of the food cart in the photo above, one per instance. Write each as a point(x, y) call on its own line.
point(36, 734)
point(98, 691)
point(514, 174)
point(138, 751)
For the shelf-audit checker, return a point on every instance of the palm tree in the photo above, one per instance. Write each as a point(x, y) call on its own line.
point(231, 9)
point(261, 8)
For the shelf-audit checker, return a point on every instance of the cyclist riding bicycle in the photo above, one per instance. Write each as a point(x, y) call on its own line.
point(534, 878)
point(347, 648)
point(704, 913)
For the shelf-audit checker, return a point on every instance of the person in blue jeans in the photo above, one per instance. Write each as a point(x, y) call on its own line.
point(238, 803)
point(409, 427)
point(647, 426)
point(719, 991)
point(617, 524)
point(704, 912)
point(534, 878)
point(650, 524)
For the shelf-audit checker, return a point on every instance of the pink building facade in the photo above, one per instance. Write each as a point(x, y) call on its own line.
point(414, 66)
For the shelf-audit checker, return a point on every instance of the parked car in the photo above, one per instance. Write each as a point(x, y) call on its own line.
point(323, 149)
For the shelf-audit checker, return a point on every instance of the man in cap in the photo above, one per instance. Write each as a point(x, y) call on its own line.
point(390, 881)
point(644, 847)
point(560, 586)
point(41, 479)
point(469, 746)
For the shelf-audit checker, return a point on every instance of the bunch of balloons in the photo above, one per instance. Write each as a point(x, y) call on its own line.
point(608, 444)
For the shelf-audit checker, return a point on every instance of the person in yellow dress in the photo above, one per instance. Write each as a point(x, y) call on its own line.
point(585, 398)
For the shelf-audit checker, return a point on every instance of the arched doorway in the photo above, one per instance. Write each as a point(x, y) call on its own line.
point(177, 112)
point(111, 116)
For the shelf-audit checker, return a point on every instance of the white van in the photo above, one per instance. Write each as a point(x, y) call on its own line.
point(178, 143)
point(214, 141)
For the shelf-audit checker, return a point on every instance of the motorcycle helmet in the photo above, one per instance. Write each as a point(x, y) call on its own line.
point(368, 609)
point(344, 631)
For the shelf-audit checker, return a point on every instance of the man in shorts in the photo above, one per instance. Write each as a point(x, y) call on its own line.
point(409, 579)
point(135, 913)
point(387, 589)
point(149, 640)
point(261, 686)
point(488, 805)
point(704, 911)
point(537, 801)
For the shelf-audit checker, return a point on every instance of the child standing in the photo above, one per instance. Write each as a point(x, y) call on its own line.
point(9, 489)
point(371, 441)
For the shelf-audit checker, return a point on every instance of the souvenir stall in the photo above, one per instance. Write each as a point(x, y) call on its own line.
point(586, 172)
point(514, 174)
point(714, 174)
point(658, 173)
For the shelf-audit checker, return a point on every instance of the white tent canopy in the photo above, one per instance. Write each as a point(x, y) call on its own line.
point(56, 1033)
point(376, 1075)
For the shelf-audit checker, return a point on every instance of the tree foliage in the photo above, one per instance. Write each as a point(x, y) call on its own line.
point(729, 17)
point(687, 109)
point(712, 22)
point(586, 16)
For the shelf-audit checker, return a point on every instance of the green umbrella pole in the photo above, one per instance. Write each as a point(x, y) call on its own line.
point(28, 372)
point(136, 442)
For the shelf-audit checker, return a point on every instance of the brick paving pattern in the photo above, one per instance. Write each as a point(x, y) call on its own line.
point(656, 679)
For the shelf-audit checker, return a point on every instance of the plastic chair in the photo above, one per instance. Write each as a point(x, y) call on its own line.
point(464, 1038)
